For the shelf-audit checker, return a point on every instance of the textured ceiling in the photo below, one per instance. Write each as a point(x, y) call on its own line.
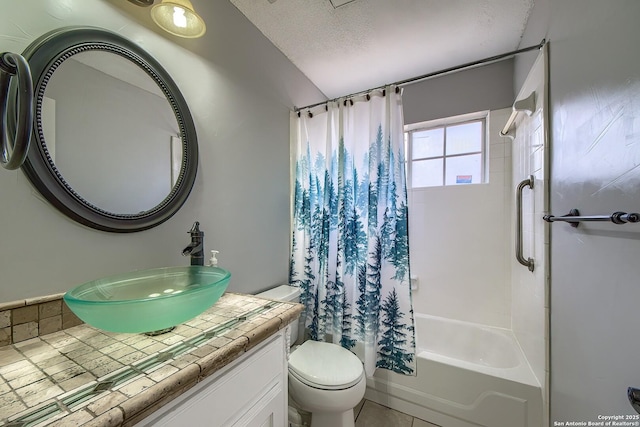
point(368, 43)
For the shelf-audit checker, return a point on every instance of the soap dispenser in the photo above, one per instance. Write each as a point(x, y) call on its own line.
point(213, 261)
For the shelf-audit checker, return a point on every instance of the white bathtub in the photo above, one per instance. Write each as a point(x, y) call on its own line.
point(467, 375)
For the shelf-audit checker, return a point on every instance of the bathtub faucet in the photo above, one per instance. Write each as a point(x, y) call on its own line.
point(196, 247)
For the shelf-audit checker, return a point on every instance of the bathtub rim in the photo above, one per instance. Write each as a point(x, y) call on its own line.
point(522, 373)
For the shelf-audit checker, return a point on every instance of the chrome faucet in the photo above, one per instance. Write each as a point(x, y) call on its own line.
point(196, 247)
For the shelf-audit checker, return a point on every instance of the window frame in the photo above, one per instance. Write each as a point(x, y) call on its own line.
point(409, 130)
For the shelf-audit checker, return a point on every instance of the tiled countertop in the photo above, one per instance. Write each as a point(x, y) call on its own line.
point(85, 376)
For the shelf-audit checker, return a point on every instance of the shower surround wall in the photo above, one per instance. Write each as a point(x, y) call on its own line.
point(460, 242)
point(529, 301)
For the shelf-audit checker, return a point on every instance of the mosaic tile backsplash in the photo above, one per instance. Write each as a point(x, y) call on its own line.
point(84, 376)
point(26, 319)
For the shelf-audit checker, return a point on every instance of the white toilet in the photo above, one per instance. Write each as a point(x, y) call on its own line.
point(324, 379)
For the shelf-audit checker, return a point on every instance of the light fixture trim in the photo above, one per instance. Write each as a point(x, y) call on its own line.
point(142, 3)
point(187, 24)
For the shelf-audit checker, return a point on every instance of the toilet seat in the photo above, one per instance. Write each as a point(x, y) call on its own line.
point(325, 366)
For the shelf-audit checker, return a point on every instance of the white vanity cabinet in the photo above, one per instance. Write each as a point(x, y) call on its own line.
point(250, 391)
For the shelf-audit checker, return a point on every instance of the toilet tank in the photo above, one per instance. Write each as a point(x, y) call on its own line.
point(288, 294)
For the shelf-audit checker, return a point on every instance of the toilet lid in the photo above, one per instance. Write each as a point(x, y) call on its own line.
point(325, 365)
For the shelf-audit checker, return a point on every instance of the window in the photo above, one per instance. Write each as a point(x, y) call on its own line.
point(449, 152)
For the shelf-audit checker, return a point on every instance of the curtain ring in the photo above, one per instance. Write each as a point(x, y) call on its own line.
point(326, 107)
point(310, 114)
point(351, 102)
point(298, 114)
point(368, 97)
point(14, 148)
point(397, 89)
point(384, 92)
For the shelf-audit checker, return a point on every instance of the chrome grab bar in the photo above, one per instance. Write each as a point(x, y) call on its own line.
point(14, 148)
point(529, 261)
point(574, 218)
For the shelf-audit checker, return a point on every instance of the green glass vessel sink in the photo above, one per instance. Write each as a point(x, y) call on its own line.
point(148, 300)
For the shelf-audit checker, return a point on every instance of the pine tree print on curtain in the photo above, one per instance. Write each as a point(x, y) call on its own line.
point(350, 243)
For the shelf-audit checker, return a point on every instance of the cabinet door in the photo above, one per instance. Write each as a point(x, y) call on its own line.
point(267, 412)
point(251, 391)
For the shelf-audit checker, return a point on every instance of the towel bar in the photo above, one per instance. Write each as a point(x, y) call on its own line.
point(574, 218)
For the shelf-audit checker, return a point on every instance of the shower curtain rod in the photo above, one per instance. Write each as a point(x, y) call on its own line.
point(434, 74)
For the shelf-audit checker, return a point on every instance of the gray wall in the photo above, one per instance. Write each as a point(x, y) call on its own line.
point(489, 87)
point(595, 153)
point(239, 93)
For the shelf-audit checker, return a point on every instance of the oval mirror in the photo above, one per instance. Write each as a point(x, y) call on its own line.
point(114, 145)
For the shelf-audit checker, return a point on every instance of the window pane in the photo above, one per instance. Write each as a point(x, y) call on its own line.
point(428, 143)
point(464, 170)
point(426, 173)
point(464, 138)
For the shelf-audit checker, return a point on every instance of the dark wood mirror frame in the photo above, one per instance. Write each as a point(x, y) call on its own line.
point(44, 56)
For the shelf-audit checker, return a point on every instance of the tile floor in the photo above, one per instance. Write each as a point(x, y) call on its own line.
point(371, 414)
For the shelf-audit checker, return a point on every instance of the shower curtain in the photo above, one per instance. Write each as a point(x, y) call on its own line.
point(350, 243)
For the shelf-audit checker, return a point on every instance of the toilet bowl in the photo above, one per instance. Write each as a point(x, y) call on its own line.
point(328, 381)
point(324, 379)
